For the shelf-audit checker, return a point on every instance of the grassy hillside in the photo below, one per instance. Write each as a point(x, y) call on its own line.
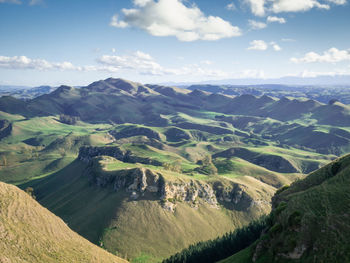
point(309, 222)
point(141, 227)
point(31, 233)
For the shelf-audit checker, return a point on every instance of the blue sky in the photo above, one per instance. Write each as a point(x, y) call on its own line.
point(77, 42)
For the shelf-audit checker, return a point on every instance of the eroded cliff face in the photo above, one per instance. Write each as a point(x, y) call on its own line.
point(140, 182)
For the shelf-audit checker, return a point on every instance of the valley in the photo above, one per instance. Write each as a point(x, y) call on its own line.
point(146, 170)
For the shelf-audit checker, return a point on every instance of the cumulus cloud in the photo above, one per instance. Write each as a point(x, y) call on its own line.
point(261, 7)
point(257, 7)
point(174, 18)
point(296, 5)
point(273, 19)
point(258, 45)
point(337, 2)
point(145, 64)
point(333, 55)
point(275, 46)
point(23, 62)
point(139, 61)
point(256, 25)
point(261, 45)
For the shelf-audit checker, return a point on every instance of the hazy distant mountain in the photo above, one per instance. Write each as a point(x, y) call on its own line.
point(23, 92)
point(321, 80)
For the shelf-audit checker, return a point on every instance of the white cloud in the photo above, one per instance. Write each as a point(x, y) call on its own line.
point(261, 45)
point(261, 7)
point(141, 2)
point(144, 64)
point(258, 45)
point(275, 46)
point(338, 2)
point(139, 61)
point(279, 6)
point(174, 18)
point(231, 6)
point(23, 62)
point(256, 6)
point(272, 19)
point(333, 55)
point(256, 25)
point(116, 23)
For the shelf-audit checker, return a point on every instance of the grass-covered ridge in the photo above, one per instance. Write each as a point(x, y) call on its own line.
point(309, 221)
point(31, 233)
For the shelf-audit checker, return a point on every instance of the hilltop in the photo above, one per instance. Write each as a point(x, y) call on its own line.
point(31, 233)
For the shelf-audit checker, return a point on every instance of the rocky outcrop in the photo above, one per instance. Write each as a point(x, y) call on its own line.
point(189, 192)
point(140, 182)
point(87, 153)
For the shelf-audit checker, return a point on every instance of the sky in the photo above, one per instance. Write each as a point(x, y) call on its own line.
point(54, 42)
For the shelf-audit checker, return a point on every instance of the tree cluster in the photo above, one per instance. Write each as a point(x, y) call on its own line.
point(67, 119)
point(222, 247)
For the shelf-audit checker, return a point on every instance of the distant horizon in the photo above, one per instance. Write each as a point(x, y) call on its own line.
point(284, 81)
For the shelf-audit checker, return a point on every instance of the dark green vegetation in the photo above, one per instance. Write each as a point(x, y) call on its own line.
point(145, 171)
point(222, 247)
point(31, 233)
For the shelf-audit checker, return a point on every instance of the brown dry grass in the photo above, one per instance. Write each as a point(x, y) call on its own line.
point(31, 233)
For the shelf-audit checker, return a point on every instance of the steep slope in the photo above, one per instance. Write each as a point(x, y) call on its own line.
point(30, 233)
point(309, 222)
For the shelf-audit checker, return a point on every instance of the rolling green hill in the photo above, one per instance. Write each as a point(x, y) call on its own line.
point(31, 233)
